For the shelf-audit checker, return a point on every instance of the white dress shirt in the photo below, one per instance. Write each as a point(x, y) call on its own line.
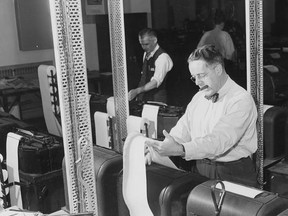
point(224, 131)
point(163, 65)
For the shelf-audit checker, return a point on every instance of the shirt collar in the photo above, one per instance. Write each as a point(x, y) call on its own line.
point(225, 88)
point(152, 53)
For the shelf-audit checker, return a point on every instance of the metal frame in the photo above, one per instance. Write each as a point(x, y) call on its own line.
point(119, 70)
point(69, 50)
point(66, 17)
point(254, 59)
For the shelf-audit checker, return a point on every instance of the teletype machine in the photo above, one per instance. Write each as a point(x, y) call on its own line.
point(85, 191)
point(71, 73)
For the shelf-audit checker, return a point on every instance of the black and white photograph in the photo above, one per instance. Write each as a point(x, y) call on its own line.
point(144, 108)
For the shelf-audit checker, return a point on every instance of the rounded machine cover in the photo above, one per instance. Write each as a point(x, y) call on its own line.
point(201, 203)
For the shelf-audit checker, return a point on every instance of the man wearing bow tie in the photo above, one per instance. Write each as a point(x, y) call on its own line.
point(218, 129)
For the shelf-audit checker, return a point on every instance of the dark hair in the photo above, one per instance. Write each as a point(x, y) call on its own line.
point(208, 53)
point(219, 17)
point(147, 31)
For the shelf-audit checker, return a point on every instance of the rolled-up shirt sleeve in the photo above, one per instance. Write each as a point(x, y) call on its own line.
point(163, 65)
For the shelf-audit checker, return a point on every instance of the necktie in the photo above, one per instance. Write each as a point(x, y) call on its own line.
point(143, 80)
point(213, 97)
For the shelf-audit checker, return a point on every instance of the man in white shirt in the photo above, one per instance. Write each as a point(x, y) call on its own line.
point(156, 64)
point(219, 38)
point(218, 129)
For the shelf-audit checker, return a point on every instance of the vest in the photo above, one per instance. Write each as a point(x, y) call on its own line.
point(148, 70)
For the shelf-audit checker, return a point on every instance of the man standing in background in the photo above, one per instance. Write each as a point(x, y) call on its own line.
point(219, 38)
point(156, 64)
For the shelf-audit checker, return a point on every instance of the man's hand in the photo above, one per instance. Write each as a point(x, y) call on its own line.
point(168, 147)
point(148, 155)
point(132, 94)
point(147, 87)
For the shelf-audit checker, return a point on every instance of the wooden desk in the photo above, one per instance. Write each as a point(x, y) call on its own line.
point(16, 93)
point(11, 96)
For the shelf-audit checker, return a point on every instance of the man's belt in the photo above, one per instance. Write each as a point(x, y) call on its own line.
point(214, 162)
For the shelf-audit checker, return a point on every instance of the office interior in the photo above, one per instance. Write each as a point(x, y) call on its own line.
point(27, 43)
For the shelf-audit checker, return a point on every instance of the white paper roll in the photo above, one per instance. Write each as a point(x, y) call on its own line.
point(150, 112)
point(110, 106)
point(134, 176)
point(134, 186)
point(102, 129)
point(136, 124)
point(12, 143)
point(133, 124)
point(165, 161)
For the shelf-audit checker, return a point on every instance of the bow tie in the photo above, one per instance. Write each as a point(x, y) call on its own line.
point(213, 97)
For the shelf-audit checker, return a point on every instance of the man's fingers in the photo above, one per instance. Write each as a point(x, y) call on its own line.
point(129, 97)
point(148, 159)
point(152, 143)
point(166, 134)
point(146, 149)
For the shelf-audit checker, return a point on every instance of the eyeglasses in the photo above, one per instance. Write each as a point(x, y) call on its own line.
point(198, 76)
